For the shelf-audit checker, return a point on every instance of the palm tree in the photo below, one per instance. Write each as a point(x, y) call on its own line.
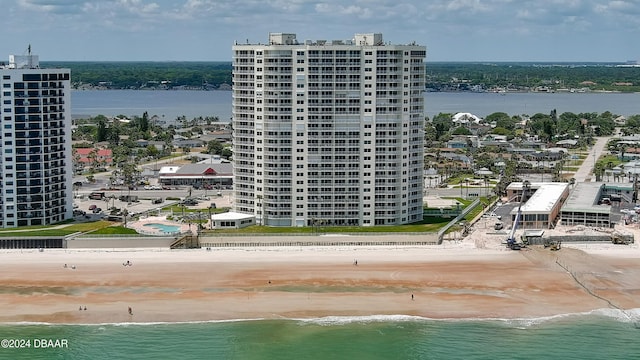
point(598, 171)
point(486, 181)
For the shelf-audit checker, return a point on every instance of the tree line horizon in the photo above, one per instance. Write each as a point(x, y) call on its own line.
point(440, 76)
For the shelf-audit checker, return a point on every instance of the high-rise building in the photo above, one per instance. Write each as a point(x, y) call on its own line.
point(36, 164)
point(328, 132)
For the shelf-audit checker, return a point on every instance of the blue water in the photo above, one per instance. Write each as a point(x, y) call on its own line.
point(169, 105)
point(166, 104)
point(384, 337)
point(164, 228)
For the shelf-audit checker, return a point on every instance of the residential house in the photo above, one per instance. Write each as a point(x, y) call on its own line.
point(188, 143)
point(84, 157)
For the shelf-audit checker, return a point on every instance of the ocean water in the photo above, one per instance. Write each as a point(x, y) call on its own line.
point(599, 335)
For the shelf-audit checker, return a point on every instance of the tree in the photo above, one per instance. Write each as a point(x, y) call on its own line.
point(502, 120)
point(130, 174)
point(227, 153)
point(152, 151)
point(442, 123)
point(101, 130)
point(430, 133)
point(461, 130)
point(501, 131)
point(144, 122)
point(93, 159)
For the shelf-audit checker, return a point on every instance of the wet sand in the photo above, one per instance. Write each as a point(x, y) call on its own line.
point(200, 285)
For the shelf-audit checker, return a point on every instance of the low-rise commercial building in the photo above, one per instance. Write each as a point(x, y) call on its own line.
point(589, 205)
point(543, 203)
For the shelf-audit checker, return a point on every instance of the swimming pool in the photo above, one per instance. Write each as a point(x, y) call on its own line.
point(164, 228)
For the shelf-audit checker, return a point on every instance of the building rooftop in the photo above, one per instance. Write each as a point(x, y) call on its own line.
point(585, 197)
point(22, 62)
point(545, 198)
point(365, 39)
point(197, 170)
point(546, 195)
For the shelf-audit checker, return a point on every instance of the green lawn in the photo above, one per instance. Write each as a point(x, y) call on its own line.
point(66, 228)
point(114, 230)
point(429, 224)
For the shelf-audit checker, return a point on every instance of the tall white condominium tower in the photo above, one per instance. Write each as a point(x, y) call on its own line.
point(36, 143)
point(328, 132)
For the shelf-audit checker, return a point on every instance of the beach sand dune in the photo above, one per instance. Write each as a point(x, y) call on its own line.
point(199, 285)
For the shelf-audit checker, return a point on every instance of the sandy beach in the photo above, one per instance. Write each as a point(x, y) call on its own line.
point(454, 280)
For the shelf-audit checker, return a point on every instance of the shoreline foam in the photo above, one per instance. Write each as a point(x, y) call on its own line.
point(344, 320)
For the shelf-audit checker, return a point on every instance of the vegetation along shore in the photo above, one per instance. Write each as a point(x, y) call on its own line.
point(445, 76)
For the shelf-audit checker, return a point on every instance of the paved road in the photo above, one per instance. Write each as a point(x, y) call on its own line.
point(585, 171)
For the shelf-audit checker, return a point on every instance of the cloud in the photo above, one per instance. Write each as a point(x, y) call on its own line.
point(138, 6)
point(490, 27)
point(52, 6)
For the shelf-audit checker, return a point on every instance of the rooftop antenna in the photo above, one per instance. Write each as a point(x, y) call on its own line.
point(29, 58)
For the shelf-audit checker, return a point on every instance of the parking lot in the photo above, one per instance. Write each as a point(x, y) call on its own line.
point(93, 209)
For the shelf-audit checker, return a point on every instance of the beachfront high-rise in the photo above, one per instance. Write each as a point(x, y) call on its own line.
point(36, 143)
point(328, 132)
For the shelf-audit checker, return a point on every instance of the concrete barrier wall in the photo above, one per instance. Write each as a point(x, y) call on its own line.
point(118, 242)
point(363, 239)
point(586, 238)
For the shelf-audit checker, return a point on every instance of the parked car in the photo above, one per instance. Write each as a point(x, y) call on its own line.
point(190, 202)
point(92, 207)
point(492, 215)
point(97, 210)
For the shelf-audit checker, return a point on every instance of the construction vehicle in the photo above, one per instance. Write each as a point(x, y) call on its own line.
point(618, 239)
point(512, 243)
point(553, 245)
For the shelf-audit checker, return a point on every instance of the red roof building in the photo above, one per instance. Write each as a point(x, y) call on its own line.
point(102, 155)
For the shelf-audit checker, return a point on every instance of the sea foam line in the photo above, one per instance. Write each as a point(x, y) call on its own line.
point(624, 316)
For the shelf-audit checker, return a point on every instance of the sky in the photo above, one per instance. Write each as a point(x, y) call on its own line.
point(205, 30)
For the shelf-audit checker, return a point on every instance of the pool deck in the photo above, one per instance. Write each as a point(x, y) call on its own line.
point(140, 227)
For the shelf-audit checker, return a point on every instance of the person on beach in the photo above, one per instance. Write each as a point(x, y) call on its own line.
point(80, 308)
point(130, 311)
point(411, 297)
point(85, 308)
